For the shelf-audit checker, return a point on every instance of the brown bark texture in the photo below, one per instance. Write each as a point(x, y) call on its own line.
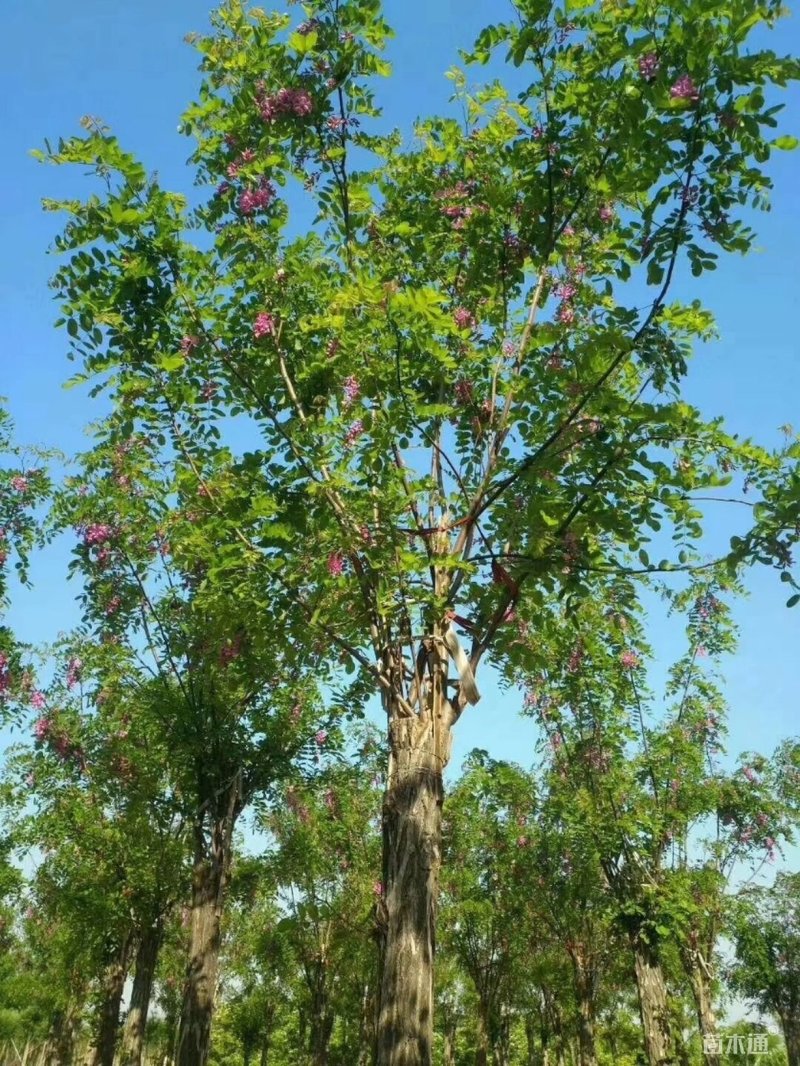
point(653, 1005)
point(136, 1019)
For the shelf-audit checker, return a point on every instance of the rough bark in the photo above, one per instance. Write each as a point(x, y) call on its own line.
point(112, 985)
point(791, 1035)
point(584, 993)
point(482, 1051)
point(450, 1030)
point(213, 853)
point(653, 1005)
point(411, 860)
point(136, 1020)
point(265, 1046)
point(321, 1025)
point(59, 1049)
point(704, 1006)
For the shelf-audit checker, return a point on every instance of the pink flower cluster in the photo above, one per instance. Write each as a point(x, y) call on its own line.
point(355, 430)
point(463, 390)
point(685, 89)
point(20, 483)
point(98, 533)
point(649, 66)
point(629, 659)
point(74, 671)
point(464, 318)
point(252, 200)
point(336, 564)
point(264, 326)
point(189, 343)
point(296, 102)
point(606, 213)
point(351, 390)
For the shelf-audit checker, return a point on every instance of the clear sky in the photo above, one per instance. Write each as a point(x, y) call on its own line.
point(127, 63)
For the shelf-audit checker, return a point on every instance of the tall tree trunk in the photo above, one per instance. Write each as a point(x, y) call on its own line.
point(265, 1045)
point(59, 1047)
point(136, 1020)
point(791, 1034)
point(321, 1023)
point(209, 890)
point(653, 1004)
point(704, 1006)
point(450, 1030)
point(412, 826)
point(584, 994)
point(366, 1027)
point(483, 1049)
point(112, 985)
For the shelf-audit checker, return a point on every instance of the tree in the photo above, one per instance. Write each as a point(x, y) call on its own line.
point(767, 939)
point(451, 400)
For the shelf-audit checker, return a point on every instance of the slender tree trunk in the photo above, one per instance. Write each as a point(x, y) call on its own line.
point(136, 1020)
point(209, 891)
point(483, 1050)
point(265, 1045)
point(584, 992)
point(321, 1026)
point(419, 748)
point(366, 1027)
point(112, 987)
point(791, 1035)
point(653, 1005)
point(706, 1018)
point(450, 1030)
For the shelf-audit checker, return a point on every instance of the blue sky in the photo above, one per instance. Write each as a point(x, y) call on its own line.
point(127, 64)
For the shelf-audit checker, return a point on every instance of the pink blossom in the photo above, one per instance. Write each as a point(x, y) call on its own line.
point(99, 533)
point(264, 325)
point(20, 483)
point(749, 773)
point(74, 668)
point(336, 564)
point(351, 390)
point(355, 430)
point(38, 701)
point(606, 213)
point(649, 66)
point(629, 659)
point(522, 842)
point(685, 89)
point(297, 102)
point(320, 737)
point(113, 605)
point(463, 391)
point(252, 200)
point(42, 727)
point(463, 318)
point(189, 343)
point(566, 314)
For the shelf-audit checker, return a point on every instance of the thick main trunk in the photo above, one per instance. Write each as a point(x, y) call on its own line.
point(706, 1018)
point(113, 983)
point(136, 1020)
point(482, 1051)
point(194, 1028)
point(320, 1028)
point(791, 1035)
point(653, 1005)
point(586, 1035)
point(60, 1047)
point(411, 859)
point(209, 890)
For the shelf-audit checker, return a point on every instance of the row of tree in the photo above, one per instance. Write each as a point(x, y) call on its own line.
point(373, 414)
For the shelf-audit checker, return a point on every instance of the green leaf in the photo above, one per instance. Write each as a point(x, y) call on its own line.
point(786, 143)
